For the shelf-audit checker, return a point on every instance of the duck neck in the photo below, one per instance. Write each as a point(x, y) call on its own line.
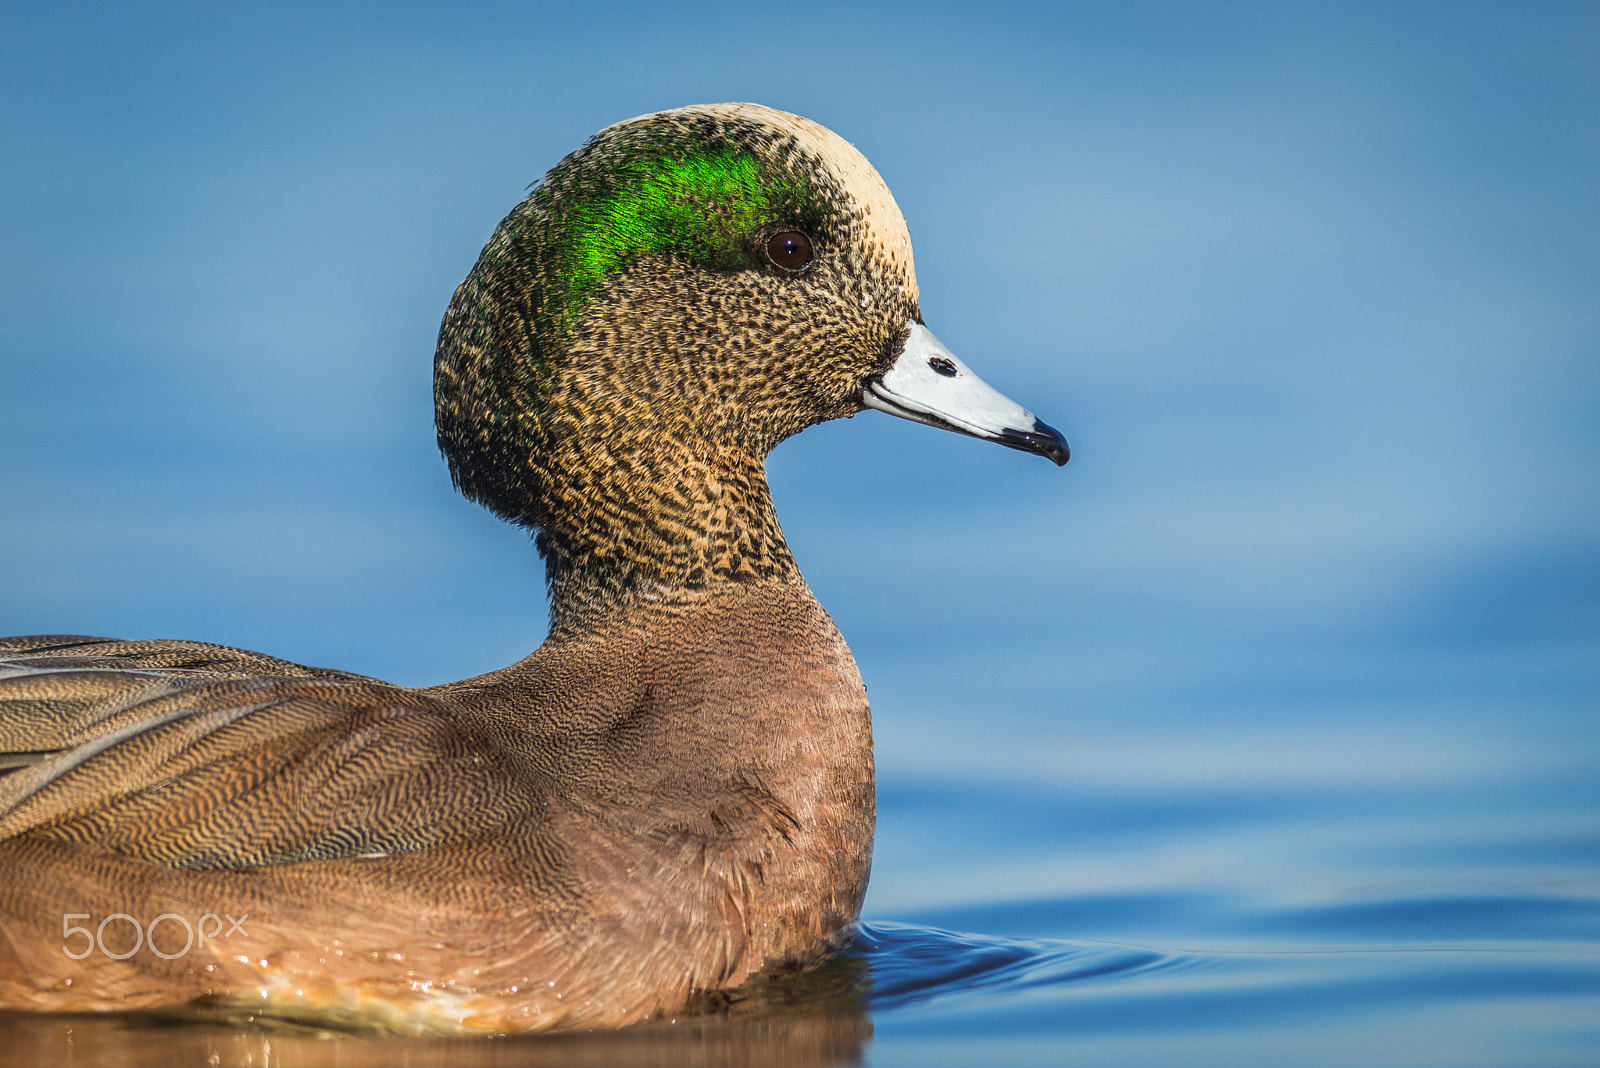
point(646, 524)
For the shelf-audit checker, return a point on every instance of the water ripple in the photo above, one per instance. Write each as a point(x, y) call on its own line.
point(910, 963)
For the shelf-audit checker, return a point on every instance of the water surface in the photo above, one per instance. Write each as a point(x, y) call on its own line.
point(1443, 919)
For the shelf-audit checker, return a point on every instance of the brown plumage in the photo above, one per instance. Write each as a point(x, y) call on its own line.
point(673, 794)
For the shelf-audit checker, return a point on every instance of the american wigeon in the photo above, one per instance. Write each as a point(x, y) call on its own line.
point(672, 794)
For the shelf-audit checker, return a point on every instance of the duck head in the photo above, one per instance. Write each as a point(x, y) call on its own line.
point(669, 303)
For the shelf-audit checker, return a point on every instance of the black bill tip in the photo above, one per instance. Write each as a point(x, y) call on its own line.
point(1043, 439)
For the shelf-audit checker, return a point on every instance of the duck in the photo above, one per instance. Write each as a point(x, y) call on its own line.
point(673, 795)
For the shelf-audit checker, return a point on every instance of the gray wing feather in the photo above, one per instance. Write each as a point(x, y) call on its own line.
point(192, 755)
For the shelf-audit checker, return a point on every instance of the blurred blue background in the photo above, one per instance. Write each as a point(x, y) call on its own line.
point(1313, 291)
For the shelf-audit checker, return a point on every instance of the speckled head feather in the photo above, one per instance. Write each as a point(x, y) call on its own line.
point(618, 364)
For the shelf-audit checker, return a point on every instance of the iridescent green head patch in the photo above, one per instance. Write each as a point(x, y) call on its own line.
point(699, 203)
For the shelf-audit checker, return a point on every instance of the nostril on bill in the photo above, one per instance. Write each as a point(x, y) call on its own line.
point(943, 366)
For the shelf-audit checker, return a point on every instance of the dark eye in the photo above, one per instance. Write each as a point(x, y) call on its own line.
point(790, 249)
